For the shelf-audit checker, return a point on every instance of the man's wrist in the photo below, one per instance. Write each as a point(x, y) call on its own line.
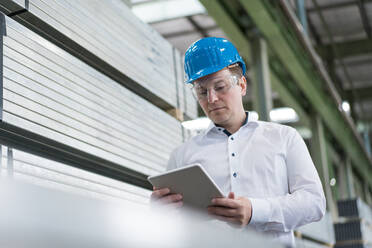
point(261, 210)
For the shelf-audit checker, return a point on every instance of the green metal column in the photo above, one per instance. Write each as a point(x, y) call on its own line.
point(332, 175)
point(350, 179)
point(341, 181)
point(367, 193)
point(367, 144)
point(319, 154)
point(262, 100)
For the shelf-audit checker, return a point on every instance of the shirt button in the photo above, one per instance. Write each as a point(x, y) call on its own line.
point(233, 154)
point(235, 174)
point(219, 129)
point(232, 138)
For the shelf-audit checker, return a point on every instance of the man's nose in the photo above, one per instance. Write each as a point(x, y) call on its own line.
point(212, 96)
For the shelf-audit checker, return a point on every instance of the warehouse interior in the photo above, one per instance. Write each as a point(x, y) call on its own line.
point(79, 115)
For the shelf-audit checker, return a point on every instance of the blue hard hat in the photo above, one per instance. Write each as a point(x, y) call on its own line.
point(209, 55)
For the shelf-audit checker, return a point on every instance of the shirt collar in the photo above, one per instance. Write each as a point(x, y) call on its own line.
point(250, 118)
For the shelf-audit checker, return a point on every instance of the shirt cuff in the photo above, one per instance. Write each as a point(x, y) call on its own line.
point(261, 211)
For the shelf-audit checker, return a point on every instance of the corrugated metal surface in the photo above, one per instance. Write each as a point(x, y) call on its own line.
point(51, 93)
point(47, 173)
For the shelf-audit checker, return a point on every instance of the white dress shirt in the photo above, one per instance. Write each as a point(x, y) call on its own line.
point(266, 162)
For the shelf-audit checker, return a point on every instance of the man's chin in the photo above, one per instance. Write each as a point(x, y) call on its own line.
point(218, 120)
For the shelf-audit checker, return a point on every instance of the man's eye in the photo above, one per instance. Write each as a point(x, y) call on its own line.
point(219, 88)
point(203, 92)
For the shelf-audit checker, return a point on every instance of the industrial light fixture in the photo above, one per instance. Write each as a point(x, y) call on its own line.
point(345, 106)
point(154, 11)
point(284, 115)
point(201, 123)
point(332, 182)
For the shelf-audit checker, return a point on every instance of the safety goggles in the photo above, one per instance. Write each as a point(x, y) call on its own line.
point(203, 88)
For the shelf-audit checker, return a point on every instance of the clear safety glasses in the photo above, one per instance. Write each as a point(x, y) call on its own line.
point(202, 89)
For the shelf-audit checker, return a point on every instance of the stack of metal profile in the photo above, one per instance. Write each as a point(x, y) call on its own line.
point(180, 86)
point(355, 226)
point(186, 101)
point(354, 208)
point(26, 167)
point(51, 93)
point(113, 33)
point(304, 243)
point(191, 104)
point(109, 37)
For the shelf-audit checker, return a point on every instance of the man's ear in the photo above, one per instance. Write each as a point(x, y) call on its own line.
point(243, 85)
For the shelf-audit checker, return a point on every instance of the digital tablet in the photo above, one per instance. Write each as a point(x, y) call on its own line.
point(193, 182)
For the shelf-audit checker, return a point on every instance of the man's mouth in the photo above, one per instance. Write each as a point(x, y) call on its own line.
point(214, 109)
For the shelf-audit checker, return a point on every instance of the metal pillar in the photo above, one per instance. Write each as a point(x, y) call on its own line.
point(367, 144)
point(301, 12)
point(342, 181)
point(367, 193)
point(350, 179)
point(262, 100)
point(319, 153)
point(332, 174)
point(10, 167)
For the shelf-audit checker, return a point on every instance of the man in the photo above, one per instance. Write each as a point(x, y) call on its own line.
point(264, 168)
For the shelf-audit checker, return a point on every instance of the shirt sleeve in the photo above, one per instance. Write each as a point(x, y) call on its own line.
point(305, 201)
point(172, 162)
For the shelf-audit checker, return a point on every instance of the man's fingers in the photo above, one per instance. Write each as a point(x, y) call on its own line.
point(176, 204)
point(231, 195)
point(158, 193)
point(170, 198)
point(221, 211)
point(227, 219)
point(225, 202)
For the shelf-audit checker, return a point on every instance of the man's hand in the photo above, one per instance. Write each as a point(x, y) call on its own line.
point(163, 196)
point(237, 211)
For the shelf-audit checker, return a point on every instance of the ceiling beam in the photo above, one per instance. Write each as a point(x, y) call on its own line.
point(346, 49)
point(365, 21)
point(361, 94)
point(188, 32)
point(333, 6)
point(198, 28)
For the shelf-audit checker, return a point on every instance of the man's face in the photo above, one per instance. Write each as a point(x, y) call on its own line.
point(220, 106)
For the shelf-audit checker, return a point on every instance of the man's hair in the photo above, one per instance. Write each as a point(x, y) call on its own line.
point(236, 70)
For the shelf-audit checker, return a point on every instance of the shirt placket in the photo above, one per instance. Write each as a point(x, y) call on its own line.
point(233, 161)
